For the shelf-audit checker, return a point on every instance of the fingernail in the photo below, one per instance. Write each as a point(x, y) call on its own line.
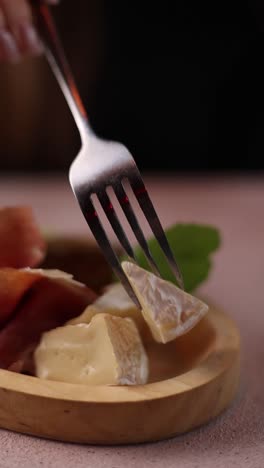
point(29, 40)
point(9, 49)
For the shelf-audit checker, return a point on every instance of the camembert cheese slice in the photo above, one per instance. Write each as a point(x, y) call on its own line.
point(107, 351)
point(169, 311)
point(114, 301)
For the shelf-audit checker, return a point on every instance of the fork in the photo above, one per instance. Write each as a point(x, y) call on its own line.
point(102, 167)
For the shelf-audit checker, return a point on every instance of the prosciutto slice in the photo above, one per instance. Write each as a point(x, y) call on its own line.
point(13, 286)
point(21, 242)
point(32, 302)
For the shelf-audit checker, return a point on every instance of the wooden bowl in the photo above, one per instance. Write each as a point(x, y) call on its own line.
point(192, 380)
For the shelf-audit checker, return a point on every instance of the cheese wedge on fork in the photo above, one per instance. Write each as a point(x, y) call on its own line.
point(169, 311)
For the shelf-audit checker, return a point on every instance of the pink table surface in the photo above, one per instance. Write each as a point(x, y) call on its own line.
point(236, 206)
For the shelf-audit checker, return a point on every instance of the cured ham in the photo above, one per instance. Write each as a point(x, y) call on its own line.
point(13, 286)
point(32, 302)
point(21, 242)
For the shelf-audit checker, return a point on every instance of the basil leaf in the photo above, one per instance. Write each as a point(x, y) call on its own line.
point(192, 245)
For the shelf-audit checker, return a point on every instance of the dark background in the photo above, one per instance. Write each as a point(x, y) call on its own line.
point(180, 83)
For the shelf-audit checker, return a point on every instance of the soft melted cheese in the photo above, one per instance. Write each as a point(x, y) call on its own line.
point(169, 311)
point(108, 351)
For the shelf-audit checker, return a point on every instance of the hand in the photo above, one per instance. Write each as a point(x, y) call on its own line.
point(18, 37)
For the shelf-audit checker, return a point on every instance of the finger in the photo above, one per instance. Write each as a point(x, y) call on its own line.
point(16, 11)
point(2, 19)
point(19, 22)
point(8, 47)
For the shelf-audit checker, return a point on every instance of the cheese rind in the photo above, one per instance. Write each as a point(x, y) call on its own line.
point(108, 351)
point(169, 311)
point(115, 301)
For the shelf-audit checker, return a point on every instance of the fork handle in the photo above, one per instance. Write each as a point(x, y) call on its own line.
point(58, 62)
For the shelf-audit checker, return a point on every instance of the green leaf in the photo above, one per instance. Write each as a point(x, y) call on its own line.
point(192, 245)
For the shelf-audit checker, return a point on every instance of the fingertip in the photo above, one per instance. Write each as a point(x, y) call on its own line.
point(8, 48)
point(28, 40)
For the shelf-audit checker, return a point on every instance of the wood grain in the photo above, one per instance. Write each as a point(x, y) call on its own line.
point(192, 380)
point(120, 415)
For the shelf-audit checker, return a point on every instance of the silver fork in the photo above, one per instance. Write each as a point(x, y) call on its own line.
point(101, 165)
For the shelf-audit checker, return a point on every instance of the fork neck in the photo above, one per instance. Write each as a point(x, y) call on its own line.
point(72, 96)
point(57, 59)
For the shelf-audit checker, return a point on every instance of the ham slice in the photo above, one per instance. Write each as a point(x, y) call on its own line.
point(21, 243)
point(35, 301)
point(13, 285)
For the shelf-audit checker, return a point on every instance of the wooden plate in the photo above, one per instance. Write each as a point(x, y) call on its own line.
point(192, 380)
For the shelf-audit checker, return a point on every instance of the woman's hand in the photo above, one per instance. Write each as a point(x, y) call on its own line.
point(18, 37)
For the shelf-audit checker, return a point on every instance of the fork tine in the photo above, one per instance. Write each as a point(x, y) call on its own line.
point(128, 210)
point(113, 219)
point(99, 233)
point(149, 211)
